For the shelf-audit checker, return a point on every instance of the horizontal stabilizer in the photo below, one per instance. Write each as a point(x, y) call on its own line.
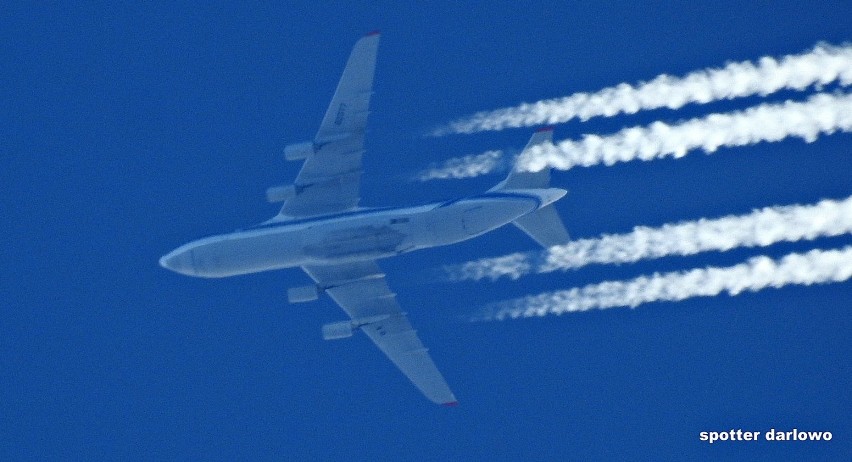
point(544, 226)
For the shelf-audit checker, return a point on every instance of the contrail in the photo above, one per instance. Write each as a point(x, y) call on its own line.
point(820, 66)
point(820, 114)
point(464, 167)
point(760, 228)
point(814, 267)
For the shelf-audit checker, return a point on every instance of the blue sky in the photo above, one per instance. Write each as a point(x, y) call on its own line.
point(128, 131)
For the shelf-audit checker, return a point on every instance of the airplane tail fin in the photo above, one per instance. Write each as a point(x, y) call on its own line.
point(544, 224)
point(529, 180)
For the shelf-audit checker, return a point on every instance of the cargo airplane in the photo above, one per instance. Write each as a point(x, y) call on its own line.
point(322, 229)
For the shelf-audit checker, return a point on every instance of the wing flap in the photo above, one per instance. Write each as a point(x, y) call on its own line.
point(395, 337)
point(365, 298)
point(361, 290)
point(349, 107)
point(330, 178)
point(328, 195)
point(339, 274)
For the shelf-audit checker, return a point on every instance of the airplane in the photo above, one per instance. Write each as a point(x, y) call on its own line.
point(322, 229)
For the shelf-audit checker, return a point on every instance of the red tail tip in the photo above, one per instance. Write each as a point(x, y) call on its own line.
point(370, 34)
point(544, 129)
point(451, 404)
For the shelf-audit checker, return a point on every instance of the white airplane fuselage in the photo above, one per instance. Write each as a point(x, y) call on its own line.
point(360, 234)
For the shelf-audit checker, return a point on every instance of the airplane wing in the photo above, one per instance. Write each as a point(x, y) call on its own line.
point(330, 178)
point(361, 290)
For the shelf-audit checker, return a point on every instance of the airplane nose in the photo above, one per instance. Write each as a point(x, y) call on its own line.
point(179, 262)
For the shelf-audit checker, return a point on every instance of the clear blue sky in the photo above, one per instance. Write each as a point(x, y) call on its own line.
point(129, 131)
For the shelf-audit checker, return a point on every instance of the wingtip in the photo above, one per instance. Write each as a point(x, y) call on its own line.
point(372, 33)
point(450, 404)
point(544, 129)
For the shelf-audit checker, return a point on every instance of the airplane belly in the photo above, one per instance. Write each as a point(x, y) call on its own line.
point(246, 254)
point(354, 243)
point(467, 219)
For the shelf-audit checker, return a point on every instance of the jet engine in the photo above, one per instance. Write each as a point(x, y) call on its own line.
point(300, 151)
point(280, 193)
point(337, 330)
point(302, 294)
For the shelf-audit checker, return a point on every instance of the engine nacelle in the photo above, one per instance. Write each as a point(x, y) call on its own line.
point(299, 151)
point(280, 193)
point(302, 294)
point(337, 330)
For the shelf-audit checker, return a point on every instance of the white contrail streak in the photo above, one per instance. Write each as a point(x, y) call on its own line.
point(464, 167)
point(760, 228)
point(820, 114)
point(814, 267)
point(820, 66)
